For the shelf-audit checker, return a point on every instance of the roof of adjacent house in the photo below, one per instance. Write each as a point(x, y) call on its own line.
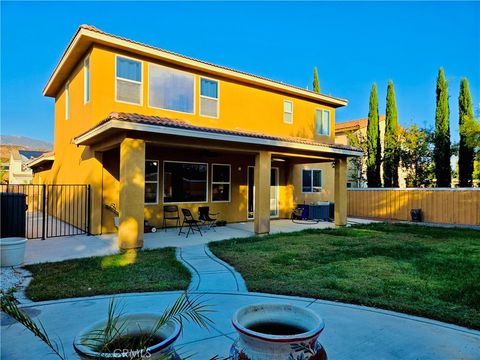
point(163, 122)
point(29, 154)
point(41, 159)
point(87, 34)
point(354, 124)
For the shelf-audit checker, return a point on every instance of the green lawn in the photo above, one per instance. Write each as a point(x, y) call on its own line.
point(146, 270)
point(426, 271)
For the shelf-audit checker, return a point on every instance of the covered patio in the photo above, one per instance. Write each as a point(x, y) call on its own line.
point(125, 142)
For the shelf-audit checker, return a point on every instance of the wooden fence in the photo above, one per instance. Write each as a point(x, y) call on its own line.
point(446, 206)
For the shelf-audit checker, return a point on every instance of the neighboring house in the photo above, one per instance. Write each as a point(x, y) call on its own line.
point(147, 127)
point(359, 127)
point(18, 171)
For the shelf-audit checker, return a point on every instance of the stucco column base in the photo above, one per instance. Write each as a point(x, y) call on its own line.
point(341, 192)
point(262, 192)
point(132, 192)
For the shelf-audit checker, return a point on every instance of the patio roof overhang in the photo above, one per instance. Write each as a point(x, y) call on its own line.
point(117, 126)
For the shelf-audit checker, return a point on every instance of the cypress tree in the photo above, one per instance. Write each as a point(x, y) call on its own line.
point(391, 158)
point(442, 150)
point(373, 142)
point(466, 150)
point(316, 81)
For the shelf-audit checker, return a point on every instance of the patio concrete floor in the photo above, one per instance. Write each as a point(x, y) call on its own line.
point(79, 246)
point(351, 332)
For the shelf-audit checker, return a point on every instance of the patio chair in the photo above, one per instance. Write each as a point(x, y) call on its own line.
point(193, 225)
point(206, 219)
point(170, 212)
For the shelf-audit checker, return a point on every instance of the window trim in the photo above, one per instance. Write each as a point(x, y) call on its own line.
point(67, 100)
point(189, 202)
point(329, 124)
point(86, 65)
point(311, 181)
point(128, 80)
point(152, 182)
point(222, 182)
point(291, 102)
point(178, 71)
point(208, 97)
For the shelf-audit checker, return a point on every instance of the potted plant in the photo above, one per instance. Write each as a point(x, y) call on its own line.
point(125, 336)
point(277, 332)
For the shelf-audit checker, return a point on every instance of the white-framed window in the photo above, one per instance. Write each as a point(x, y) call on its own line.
point(185, 182)
point(209, 97)
point(86, 80)
point(322, 122)
point(221, 182)
point(287, 112)
point(67, 100)
point(151, 181)
point(128, 80)
point(171, 89)
point(311, 181)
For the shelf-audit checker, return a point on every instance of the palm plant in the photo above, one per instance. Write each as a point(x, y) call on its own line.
point(105, 340)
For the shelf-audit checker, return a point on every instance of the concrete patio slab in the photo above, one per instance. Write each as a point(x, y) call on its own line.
point(79, 246)
point(352, 332)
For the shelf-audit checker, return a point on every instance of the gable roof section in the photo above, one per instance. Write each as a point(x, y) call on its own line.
point(354, 124)
point(87, 35)
point(127, 121)
point(29, 154)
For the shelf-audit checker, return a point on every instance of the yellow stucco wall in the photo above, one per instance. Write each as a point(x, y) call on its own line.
point(242, 107)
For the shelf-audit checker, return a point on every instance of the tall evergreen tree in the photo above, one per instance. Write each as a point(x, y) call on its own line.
point(465, 150)
point(373, 142)
point(442, 152)
point(391, 150)
point(316, 81)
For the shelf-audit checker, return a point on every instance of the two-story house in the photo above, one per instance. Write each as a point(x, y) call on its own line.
point(19, 172)
point(147, 127)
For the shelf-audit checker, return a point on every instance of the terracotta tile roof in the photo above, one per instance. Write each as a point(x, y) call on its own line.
point(94, 29)
point(355, 124)
point(181, 124)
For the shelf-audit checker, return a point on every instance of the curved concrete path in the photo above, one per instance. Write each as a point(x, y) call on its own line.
point(209, 273)
point(351, 332)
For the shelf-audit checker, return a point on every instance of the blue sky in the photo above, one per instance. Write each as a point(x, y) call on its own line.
point(352, 44)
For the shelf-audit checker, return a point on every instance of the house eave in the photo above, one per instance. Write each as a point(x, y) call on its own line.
point(89, 137)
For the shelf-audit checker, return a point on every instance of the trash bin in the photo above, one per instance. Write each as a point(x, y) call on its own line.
point(331, 210)
point(13, 214)
point(416, 215)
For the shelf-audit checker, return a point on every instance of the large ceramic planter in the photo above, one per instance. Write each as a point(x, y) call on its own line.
point(277, 332)
point(12, 251)
point(133, 324)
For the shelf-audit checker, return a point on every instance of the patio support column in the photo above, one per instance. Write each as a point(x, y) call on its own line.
point(262, 192)
point(341, 192)
point(132, 187)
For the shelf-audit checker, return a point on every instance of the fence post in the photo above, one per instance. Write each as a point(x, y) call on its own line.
point(44, 215)
point(88, 209)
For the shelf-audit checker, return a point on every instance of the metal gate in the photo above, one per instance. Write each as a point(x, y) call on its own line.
point(54, 210)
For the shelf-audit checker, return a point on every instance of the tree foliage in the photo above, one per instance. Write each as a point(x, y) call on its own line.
point(442, 151)
point(357, 165)
point(374, 156)
point(416, 150)
point(316, 81)
point(391, 156)
point(466, 149)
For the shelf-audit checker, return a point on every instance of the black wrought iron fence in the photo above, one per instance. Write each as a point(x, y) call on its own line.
point(54, 209)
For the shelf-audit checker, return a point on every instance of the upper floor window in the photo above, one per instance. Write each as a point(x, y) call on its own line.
point(129, 80)
point(322, 122)
point(287, 112)
point(208, 97)
point(170, 89)
point(67, 100)
point(311, 181)
point(86, 80)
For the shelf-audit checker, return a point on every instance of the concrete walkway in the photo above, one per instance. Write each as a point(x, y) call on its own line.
point(351, 332)
point(209, 273)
